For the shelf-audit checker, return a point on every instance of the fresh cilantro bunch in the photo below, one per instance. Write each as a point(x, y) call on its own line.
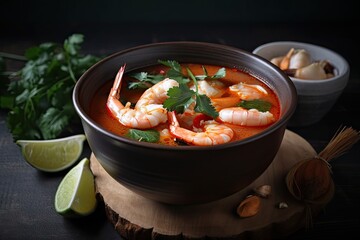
point(40, 94)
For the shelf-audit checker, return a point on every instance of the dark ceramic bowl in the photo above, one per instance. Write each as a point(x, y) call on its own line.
point(184, 174)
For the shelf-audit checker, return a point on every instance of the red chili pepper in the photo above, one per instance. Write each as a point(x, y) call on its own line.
point(162, 72)
point(201, 117)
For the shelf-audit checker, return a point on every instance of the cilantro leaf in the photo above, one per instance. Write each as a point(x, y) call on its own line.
point(171, 64)
point(144, 135)
point(203, 105)
point(203, 102)
point(175, 71)
point(179, 99)
point(205, 71)
point(177, 76)
point(141, 85)
point(261, 105)
point(72, 44)
point(145, 80)
point(53, 121)
point(221, 73)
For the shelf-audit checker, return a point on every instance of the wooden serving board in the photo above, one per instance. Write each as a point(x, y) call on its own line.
point(135, 217)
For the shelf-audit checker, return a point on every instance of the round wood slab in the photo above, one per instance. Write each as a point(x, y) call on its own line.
point(135, 217)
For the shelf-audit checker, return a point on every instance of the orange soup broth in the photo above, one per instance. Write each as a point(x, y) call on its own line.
point(100, 114)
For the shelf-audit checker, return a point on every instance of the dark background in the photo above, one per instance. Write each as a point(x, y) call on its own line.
point(245, 24)
point(42, 12)
point(115, 25)
point(26, 195)
point(110, 26)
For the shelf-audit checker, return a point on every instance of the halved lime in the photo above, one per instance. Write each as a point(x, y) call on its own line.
point(52, 155)
point(75, 195)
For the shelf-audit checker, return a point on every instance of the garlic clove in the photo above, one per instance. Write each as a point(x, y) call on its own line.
point(312, 71)
point(283, 205)
point(263, 191)
point(284, 64)
point(301, 58)
point(277, 60)
point(250, 206)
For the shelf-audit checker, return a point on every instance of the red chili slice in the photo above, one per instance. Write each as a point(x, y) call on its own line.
point(201, 117)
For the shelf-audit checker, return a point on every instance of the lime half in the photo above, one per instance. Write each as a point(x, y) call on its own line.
point(75, 195)
point(52, 155)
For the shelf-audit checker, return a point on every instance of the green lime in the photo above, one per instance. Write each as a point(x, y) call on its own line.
point(75, 195)
point(52, 155)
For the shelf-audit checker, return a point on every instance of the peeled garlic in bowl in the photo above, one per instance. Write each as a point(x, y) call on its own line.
point(298, 63)
point(315, 97)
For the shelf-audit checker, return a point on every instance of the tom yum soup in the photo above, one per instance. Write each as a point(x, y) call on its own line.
point(185, 104)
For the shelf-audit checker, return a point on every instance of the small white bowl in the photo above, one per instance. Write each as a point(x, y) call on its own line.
point(315, 97)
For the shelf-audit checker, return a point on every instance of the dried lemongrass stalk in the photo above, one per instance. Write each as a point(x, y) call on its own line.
point(342, 141)
point(310, 180)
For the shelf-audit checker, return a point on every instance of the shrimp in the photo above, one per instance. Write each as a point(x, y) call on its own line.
point(248, 91)
point(245, 117)
point(213, 133)
point(157, 93)
point(211, 88)
point(148, 111)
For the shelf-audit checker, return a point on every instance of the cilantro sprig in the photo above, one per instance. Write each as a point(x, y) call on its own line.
point(146, 80)
point(175, 71)
point(182, 96)
point(39, 97)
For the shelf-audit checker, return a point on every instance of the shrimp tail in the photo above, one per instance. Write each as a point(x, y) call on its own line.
point(173, 122)
point(113, 105)
point(115, 90)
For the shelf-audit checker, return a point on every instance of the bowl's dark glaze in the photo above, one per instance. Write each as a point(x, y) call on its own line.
point(186, 174)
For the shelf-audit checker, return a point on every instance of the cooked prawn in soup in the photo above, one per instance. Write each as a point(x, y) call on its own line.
point(185, 104)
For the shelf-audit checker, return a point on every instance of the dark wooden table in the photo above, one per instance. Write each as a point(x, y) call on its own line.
point(27, 195)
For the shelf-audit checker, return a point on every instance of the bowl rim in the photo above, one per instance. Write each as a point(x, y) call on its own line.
point(312, 45)
point(84, 116)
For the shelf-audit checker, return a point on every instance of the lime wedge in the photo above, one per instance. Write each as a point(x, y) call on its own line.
point(75, 195)
point(52, 155)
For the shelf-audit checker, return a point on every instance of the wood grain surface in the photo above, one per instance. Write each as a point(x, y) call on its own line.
point(136, 217)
